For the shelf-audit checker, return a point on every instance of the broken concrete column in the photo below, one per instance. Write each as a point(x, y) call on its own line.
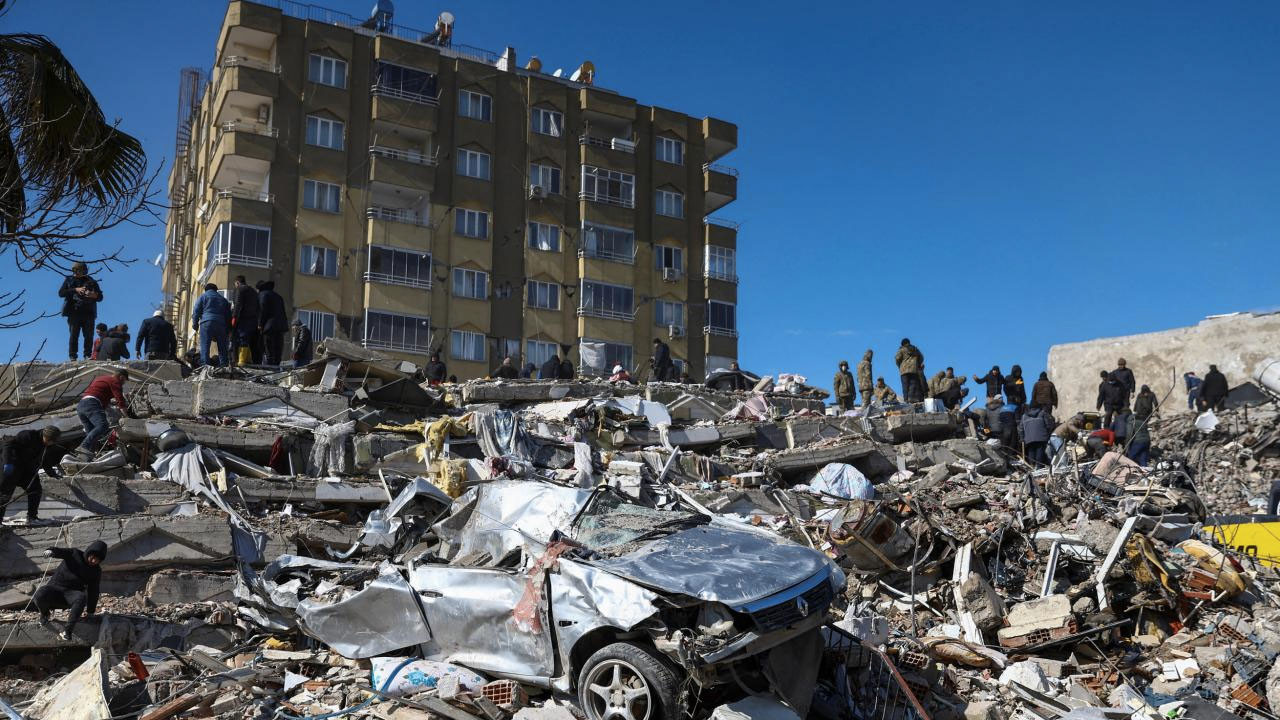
point(983, 602)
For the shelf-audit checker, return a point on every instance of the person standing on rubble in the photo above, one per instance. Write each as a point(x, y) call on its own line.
point(1139, 449)
point(1193, 388)
point(115, 344)
point(244, 321)
point(567, 371)
point(550, 369)
point(92, 409)
point(528, 371)
point(1124, 376)
point(663, 368)
point(24, 456)
point(910, 363)
point(884, 393)
point(210, 317)
point(436, 370)
point(842, 386)
point(1036, 426)
point(156, 338)
point(1111, 396)
point(507, 370)
point(1044, 394)
point(953, 390)
point(1015, 390)
point(301, 344)
point(74, 585)
point(102, 330)
point(273, 323)
point(1145, 405)
point(866, 382)
point(993, 380)
point(80, 297)
point(1213, 393)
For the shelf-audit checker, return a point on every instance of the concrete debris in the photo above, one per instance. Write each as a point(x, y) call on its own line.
point(345, 538)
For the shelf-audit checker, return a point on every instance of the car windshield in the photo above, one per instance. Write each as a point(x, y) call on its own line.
point(615, 525)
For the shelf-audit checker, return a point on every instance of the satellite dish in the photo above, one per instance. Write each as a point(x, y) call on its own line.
point(446, 18)
point(558, 72)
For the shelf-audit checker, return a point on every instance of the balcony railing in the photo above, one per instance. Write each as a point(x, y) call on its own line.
point(412, 156)
point(619, 144)
point(586, 251)
point(400, 215)
point(724, 169)
point(723, 332)
point(228, 258)
point(249, 127)
point(244, 61)
point(385, 279)
point(395, 92)
point(242, 193)
point(717, 275)
point(722, 222)
point(393, 345)
point(607, 199)
point(607, 314)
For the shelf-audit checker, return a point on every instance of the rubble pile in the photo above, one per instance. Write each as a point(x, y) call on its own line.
point(346, 540)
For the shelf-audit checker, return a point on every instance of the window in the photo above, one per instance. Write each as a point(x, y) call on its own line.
point(667, 313)
point(327, 71)
point(538, 352)
point(325, 132)
point(545, 176)
point(544, 295)
point(316, 260)
point(547, 122)
point(669, 203)
point(670, 150)
point(321, 324)
point(324, 196)
point(235, 244)
point(473, 164)
point(614, 302)
point(474, 105)
point(666, 257)
point(471, 223)
point(544, 237)
point(404, 83)
point(608, 186)
point(722, 317)
point(721, 264)
point(472, 284)
point(393, 266)
point(600, 356)
point(388, 331)
point(467, 345)
point(608, 243)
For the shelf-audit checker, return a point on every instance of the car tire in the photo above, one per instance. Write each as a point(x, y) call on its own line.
point(623, 681)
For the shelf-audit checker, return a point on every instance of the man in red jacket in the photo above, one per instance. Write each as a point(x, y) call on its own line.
point(92, 409)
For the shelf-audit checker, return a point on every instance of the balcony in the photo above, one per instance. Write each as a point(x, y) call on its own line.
point(385, 279)
point(411, 169)
point(395, 346)
point(619, 144)
point(720, 183)
point(240, 77)
point(722, 276)
point(599, 253)
point(239, 205)
point(242, 156)
point(607, 314)
point(622, 202)
point(397, 215)
point(719, 331)
point(721, 232)
point(394, 106)
point(391, 91)
point(719, 137)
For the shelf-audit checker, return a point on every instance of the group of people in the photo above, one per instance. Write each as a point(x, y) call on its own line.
point(249, 329)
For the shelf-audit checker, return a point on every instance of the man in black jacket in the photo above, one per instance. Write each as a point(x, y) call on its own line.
point(567, 371)
point(115, 344)
point(273, 322)
point(436, 369)
point(1111, 395)
point(550, 369)
point(663, 368)
point(244, 319)
point(1124, 376)
point(157, 338)
point(507, 370)
point(302, 349)
point(80, 297)
point(1213, 392)
point(993, 379)
point(74, 585)
point(25, 454)
point(1015, 389)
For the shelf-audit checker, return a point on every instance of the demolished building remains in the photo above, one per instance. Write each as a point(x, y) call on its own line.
point(345, 539)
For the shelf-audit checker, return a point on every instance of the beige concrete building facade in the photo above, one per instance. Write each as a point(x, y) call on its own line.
point(416, 195)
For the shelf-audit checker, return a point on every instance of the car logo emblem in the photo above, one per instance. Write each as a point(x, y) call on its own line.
point(802, 606)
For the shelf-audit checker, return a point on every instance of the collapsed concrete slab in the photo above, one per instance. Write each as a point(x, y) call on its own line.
point(46, 386)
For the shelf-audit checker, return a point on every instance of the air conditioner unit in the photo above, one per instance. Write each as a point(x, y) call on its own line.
point(537, 192)
point(671, 274)
point(623, 145)
point(676, 330)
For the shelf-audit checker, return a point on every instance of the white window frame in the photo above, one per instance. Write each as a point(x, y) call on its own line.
point(475, 105)
point(600, 241)
point(471, 284)
point(542, 295)
point(661, 254)
point(323, 324)
point(392, 278)
point(475, 164)
point(721, 263)
point(471, 223)
point(669, 150)
point(546, 176)
point(663, 309)
point(470, 341)
point(327, 70)
point(599, 185)
point(328, 262)
point(607, 291)
point(322, 196)
point(319, 129)
point(546, 121)
point(544, 237)
point(421, 323)
point(722, 329)
point(219, 251)
point(669, 203)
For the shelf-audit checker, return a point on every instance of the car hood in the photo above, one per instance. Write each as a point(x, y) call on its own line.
point(718, 563)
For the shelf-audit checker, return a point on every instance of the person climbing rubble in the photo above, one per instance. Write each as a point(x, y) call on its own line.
point(24, 456)
point(884, 393)
point(1193, 388)
point(842, 387)
point(92, 409)
point(1213, 393)
point(74, 585)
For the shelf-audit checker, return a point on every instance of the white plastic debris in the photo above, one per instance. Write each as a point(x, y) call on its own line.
point(1207, 421)
point(1027, 674)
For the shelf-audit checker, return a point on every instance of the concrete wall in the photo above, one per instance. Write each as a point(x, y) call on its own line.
point(1235, 343)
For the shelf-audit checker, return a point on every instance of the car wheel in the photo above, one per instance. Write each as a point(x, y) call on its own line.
point(628, 682)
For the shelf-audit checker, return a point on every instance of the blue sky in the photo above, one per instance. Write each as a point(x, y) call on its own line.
point(987, 178)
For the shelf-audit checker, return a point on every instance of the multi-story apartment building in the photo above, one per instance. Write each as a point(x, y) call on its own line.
point(415, 195)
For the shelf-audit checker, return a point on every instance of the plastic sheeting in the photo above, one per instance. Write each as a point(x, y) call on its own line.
point(500, 434)
point(329, 455)
point(843, 481)
point(1207, 421)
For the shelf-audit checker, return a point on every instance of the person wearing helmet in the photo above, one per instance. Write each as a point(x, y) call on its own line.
point(74, 585)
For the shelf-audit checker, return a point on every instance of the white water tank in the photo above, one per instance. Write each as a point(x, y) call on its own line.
point(1268, 374)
